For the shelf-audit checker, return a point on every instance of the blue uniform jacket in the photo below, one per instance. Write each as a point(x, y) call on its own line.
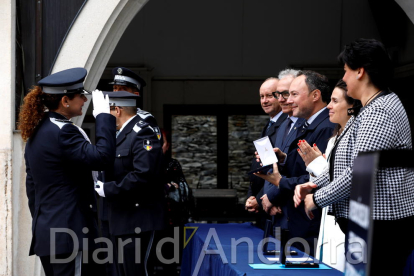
point(148, 118)
point(133, 187)
point(59, 184)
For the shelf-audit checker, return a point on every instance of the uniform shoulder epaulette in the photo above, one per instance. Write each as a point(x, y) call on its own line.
point(63, 121)
point(60, 122)
point(144, 114)
point(140, 125)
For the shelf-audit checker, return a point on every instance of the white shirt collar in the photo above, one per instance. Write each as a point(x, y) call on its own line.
point(123, 126)
point(294, 119)
point(313, 117)
point(274, 119)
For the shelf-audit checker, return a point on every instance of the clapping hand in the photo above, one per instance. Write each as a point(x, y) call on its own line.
point(301, 191)
point(307, 152)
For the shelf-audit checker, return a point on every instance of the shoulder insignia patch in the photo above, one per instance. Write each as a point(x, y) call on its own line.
point(158, 132)
point(147, 144)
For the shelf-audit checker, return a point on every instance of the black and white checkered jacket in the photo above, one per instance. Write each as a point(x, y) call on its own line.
point(381, 125)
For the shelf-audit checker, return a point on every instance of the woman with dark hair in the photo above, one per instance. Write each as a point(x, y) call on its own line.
point(381, 124)
point(59, 163)
point(330, 235)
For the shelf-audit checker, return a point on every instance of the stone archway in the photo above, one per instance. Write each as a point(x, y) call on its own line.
point(93, 38)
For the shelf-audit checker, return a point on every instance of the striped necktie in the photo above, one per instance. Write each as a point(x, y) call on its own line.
point(287, 130)
point(268, 126)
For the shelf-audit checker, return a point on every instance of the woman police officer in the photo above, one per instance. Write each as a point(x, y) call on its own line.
point(59, 163)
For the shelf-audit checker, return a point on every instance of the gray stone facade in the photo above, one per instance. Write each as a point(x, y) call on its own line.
point(194, 144)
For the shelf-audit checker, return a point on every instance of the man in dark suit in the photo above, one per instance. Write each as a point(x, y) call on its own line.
point(271, 107)
point(309, 94)
point(286, 77)
point(284, 137)
point(133, 188)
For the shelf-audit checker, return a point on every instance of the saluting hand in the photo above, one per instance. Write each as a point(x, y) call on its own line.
point(100, 103)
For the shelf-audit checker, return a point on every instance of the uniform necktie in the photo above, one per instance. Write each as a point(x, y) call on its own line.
point(268, 126)
point(287, 130)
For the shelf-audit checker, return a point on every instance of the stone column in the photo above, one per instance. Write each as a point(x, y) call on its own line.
point(7, 87)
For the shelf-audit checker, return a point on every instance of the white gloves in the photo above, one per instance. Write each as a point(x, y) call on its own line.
point(100, 104)
point(99, 188)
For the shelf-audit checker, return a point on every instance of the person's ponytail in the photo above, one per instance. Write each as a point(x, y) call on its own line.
point(31, 112)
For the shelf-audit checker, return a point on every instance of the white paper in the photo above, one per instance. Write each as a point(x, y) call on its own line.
point(265, 150)
point(304, 259)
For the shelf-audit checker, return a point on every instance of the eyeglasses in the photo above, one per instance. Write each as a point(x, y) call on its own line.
point(284, 94)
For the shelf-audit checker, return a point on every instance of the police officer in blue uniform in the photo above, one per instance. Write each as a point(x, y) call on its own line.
point(133, 188)
point(127, 80)
point(60, 161)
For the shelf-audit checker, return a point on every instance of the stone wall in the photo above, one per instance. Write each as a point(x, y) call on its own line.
point(243, 130)
point(194, 144)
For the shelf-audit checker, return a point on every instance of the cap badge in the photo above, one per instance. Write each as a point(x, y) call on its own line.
point(147, 145)
point(119, 71)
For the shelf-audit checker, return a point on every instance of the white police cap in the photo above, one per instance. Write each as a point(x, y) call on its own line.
point(126, 77)
point(121, 98)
